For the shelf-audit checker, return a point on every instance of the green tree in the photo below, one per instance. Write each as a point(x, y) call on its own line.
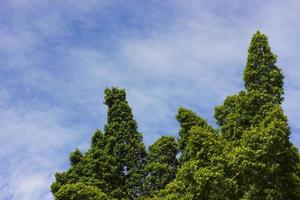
point(116, 159)
point(261, 159)
point(261, 72)
point(202, 176)
point(252, 158)
point(264, 89)
point(161, 164)
point(125, 144)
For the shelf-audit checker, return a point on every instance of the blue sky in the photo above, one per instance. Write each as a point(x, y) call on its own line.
point(56, 58)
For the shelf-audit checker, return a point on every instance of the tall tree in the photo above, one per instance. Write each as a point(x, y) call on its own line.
point(263, 82)
point(262, 161)
point(252, 159)
point(261, 72)
point(115, 161)
point(125, 144)
point(161, 164)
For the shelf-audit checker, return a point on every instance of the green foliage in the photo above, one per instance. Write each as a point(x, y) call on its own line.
point(261, 72)
point(79, 191)
point(188, 119)
point(242, 111)
point(116, 159)
point(162, 165)
point(260, 156)
point(250, 156)
point(202, 176)
point(75, 157)
point(125, 144)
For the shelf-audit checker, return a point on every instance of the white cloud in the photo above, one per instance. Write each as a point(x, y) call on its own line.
point(31, 145)
point(208, 50)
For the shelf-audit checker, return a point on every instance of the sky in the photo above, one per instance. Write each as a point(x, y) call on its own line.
point(57, 57)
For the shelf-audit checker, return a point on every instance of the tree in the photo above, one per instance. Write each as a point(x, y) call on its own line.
point(260, 157)
point(202, 176)
point(252, 158)
point(261, 72)
point(116, 159)
point(161, 164)
point(125, 144)
point(263, 82)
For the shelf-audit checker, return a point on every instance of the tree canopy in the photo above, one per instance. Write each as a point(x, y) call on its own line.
point(248, 157)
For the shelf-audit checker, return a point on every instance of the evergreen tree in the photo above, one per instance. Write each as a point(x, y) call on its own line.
point(125, 145)
point(115, 161)
point(261, 72)
point(264, 89)
point(161, 164)
point(262, 161)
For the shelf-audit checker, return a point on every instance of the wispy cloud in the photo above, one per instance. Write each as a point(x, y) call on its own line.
point(32, 144)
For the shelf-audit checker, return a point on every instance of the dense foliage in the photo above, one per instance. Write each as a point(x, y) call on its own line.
point(249, 157)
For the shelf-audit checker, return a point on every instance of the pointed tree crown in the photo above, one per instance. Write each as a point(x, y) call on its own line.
point(125, 144)
point(261, 72)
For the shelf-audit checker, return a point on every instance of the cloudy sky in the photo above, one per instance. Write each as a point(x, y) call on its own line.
point(57, 57)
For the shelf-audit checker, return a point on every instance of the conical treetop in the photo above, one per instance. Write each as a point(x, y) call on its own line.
point(125, 144)
point(261, 72)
